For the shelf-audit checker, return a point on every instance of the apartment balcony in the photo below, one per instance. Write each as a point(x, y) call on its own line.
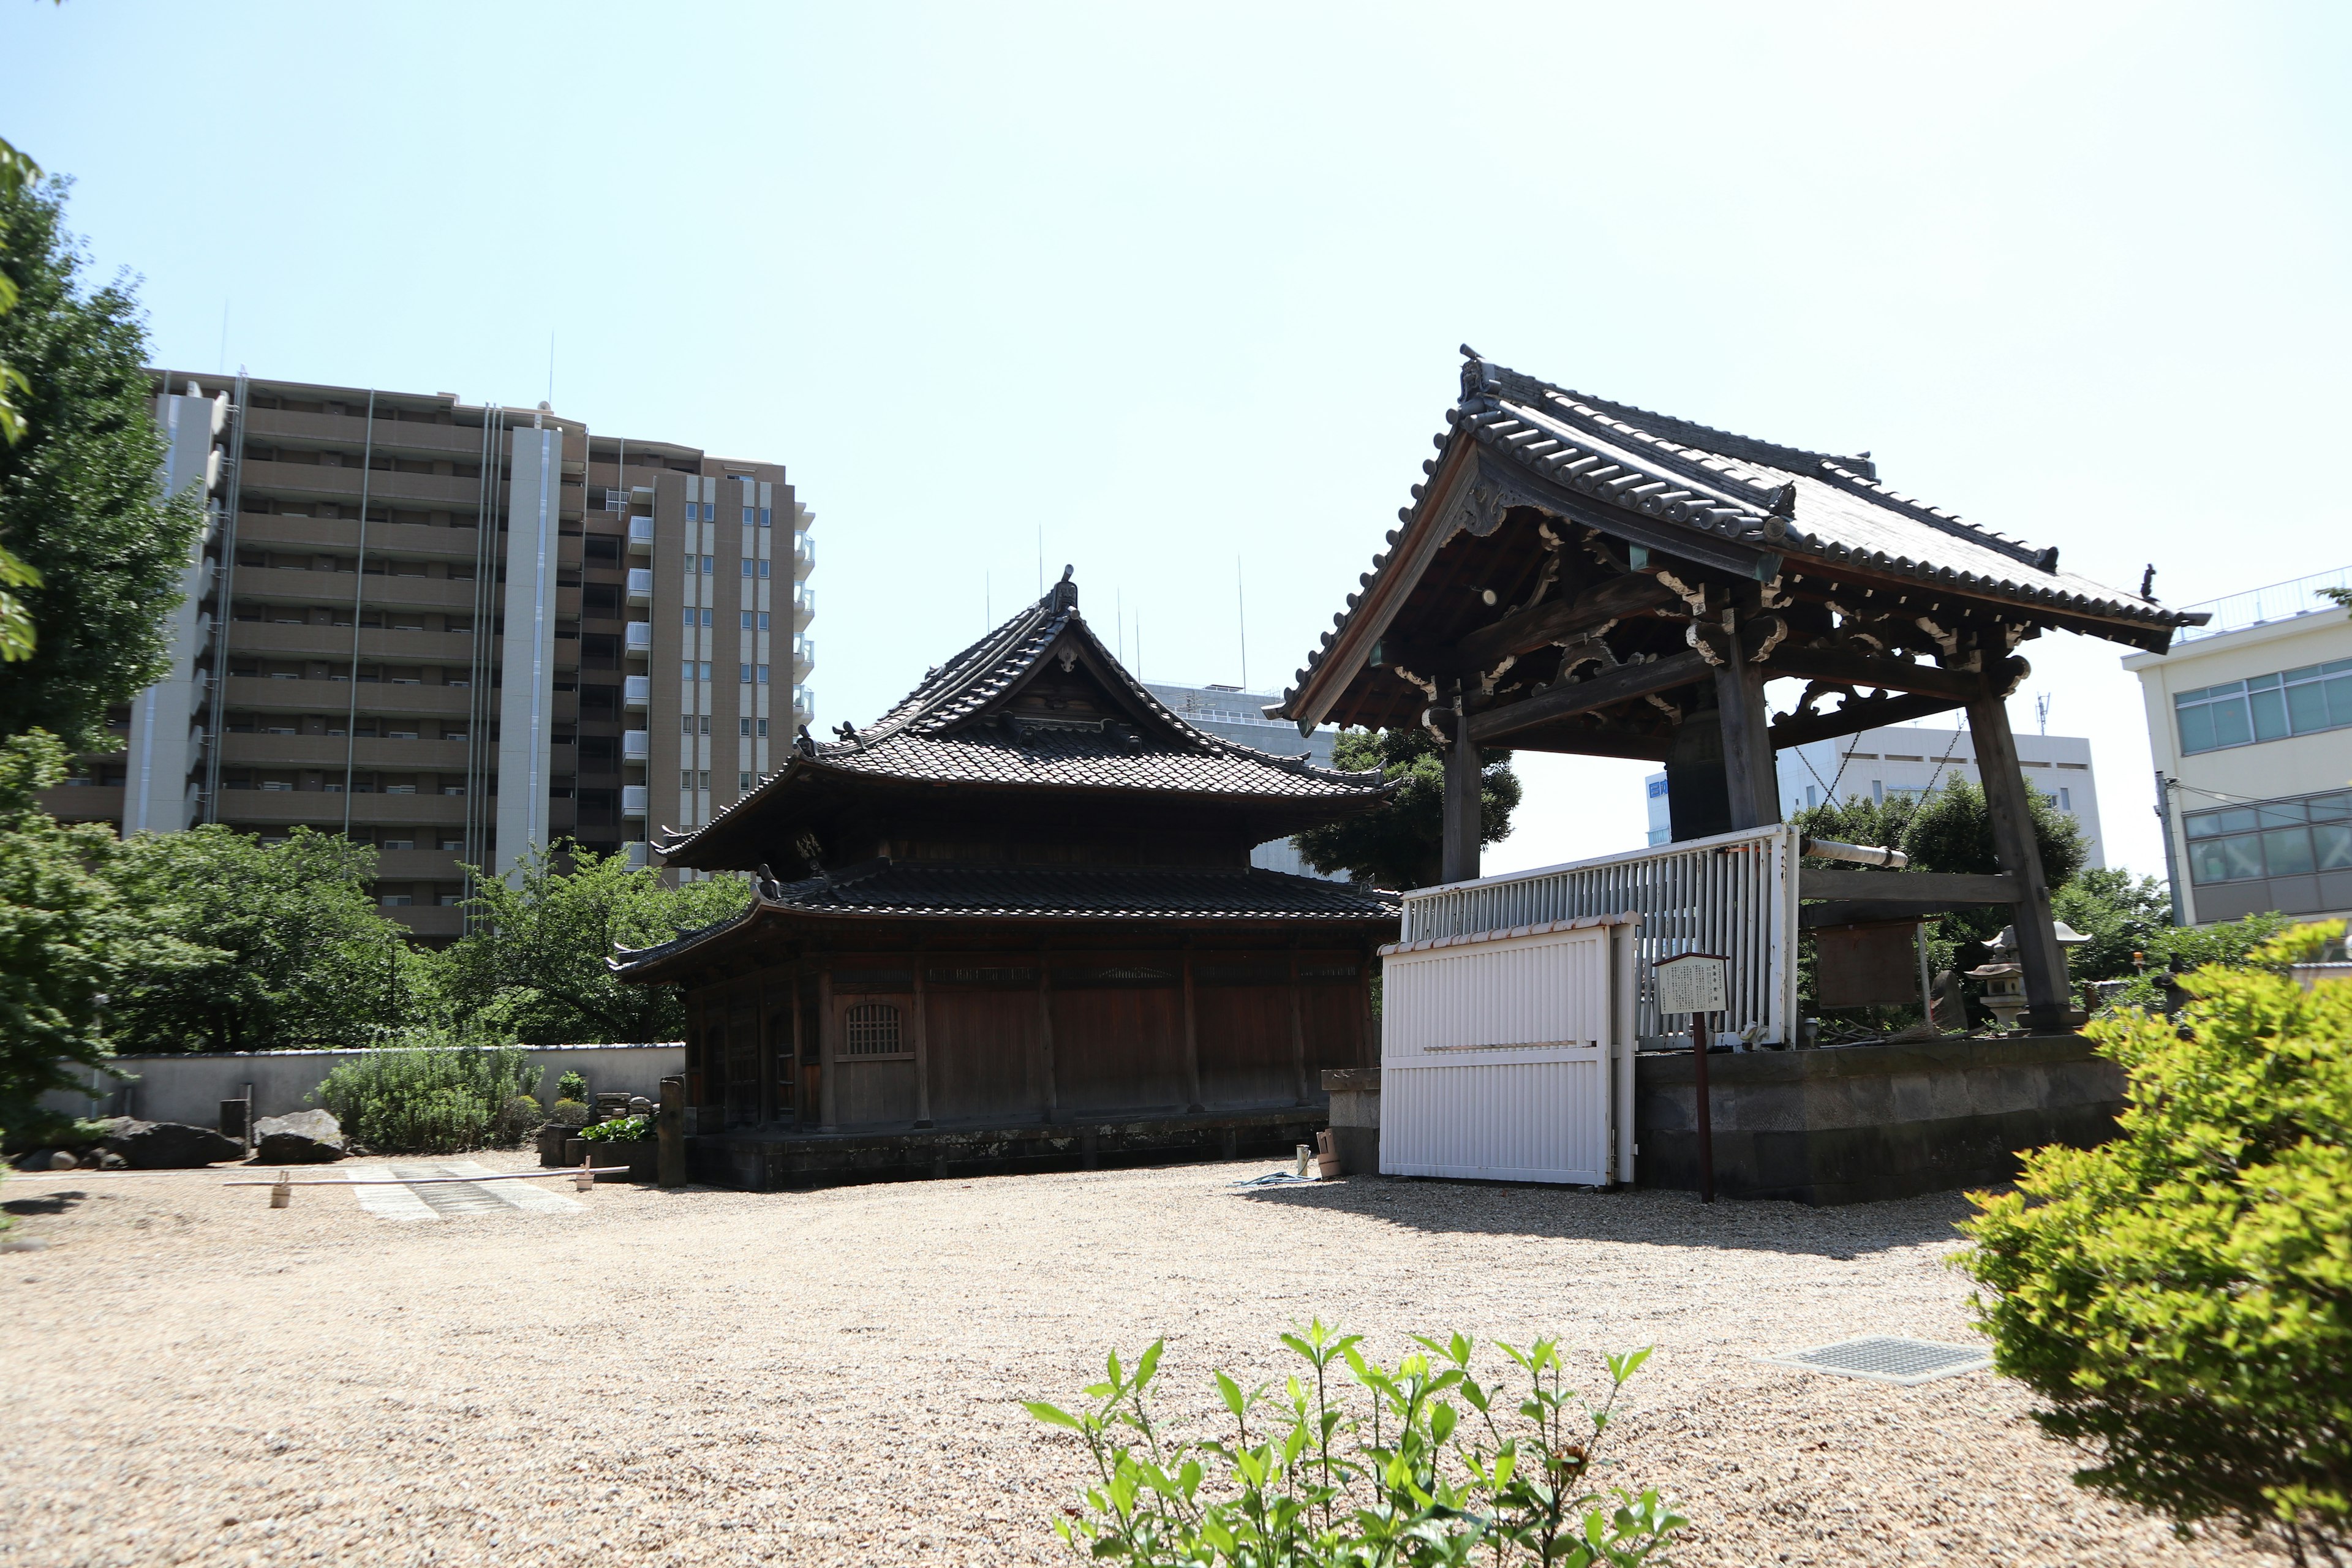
point(318, 481)
point(417, 865)
point(641, 585)
point(636, 745)
point(84, 802)
point(265, 694)
point(376, 644)
point(399, 541)
point(641, 536)
point(633, 800)
point(804, 556)
point(803, 655)
point(429, 919)
point(323, 808)
point(284, 586)
point(803, 607)
point(367, 752)
point(804, 705)
point(638, 854)
point(636, 691)
point(275, 426)
point(638, 638)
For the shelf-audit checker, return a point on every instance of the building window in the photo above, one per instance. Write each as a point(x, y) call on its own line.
point(710, 565)
point(702, 780)
point(872, 1030)
point(762, 729)
point(763, 620)
point(706, 617)
point(763, 674)
point(767, 517)
point(743, 783)
point(686, 723)
point(750, 515)
point(2065, 798)
point(688, 672)
point(686, 778)
point(2273, 838)
point(747, 673)
point(747, 620)
point(747, 568)
point(395, 900)
point(763, 568)
point(2267, 708)
point(706, 669)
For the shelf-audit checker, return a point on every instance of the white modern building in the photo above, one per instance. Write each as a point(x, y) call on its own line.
point(1236, 715)
point(2250, 720)
point(1914, 759)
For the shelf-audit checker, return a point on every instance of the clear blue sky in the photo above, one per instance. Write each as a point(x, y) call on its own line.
point(1180, 285)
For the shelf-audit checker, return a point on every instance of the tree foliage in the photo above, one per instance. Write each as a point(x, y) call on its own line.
point(2121, 914)
point(2181, 1298)
point(1949, 830)
point(1401, 844)
point(436, 1097)
point(294, 950)
point(79, 501)
point(533, 968)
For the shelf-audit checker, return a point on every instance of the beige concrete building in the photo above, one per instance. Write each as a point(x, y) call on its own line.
point(456, 632)
point(2250, 717)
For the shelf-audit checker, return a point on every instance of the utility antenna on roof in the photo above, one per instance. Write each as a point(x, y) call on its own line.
point(2042, 711)
point(1240, 620)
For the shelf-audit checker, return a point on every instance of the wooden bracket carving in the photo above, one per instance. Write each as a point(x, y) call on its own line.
point(1695, 597)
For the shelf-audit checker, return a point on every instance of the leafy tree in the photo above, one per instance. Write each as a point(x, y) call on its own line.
point(65, 934)
point(1401, 844)
point(2181, 1298)
point(2122, 915)
point(295, 953)
point(79, 501)
point(533, 968)
point(16, 635)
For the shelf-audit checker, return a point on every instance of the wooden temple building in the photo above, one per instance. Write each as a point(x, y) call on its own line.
point(1580, 575)
point(1013, 922)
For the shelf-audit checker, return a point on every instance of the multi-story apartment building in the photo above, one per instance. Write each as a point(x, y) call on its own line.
point(1238, 715)
point(1911, 759)
point(458, 632)
point(2250, 719)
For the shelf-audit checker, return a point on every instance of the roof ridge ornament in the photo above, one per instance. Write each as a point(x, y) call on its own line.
point(1066, 592)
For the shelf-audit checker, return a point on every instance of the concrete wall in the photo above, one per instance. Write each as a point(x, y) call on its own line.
point(1869, 1122)
point(190, 1088)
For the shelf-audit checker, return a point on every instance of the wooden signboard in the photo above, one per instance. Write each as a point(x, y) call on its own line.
point(1691, 983)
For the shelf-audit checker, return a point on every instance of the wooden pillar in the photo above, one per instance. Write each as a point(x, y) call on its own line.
point(922, 1049)
point(1192, 1041)
point(762, 990)
point(2047, 1004)
point(1298, 1032)
point(828, 1046)
point(1748, 776)
point(1464, 785)
point(1367, 1044)
point(1046, 1034)
point(800, 1078)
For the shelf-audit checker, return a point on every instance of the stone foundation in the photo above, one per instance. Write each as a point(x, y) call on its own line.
point(761, 1161)
point(1868, 1122)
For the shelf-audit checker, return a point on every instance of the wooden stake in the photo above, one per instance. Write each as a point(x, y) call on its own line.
point(1706, 1121)
point(281, 1194)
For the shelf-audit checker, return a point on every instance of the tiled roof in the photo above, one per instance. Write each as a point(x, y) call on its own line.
point(1798, 503)
point(933, 891)
point(953, 728)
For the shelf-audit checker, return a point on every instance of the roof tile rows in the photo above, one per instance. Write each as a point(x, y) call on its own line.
point(1784, 499)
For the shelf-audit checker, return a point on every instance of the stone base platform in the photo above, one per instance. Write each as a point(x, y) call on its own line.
point(756, 1160)
point(1867, 1123)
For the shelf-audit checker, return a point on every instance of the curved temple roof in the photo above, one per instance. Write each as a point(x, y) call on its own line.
point(961, 725)
point(1730, 494)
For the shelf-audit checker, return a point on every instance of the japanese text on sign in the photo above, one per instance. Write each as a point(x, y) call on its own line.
point(1692, 983)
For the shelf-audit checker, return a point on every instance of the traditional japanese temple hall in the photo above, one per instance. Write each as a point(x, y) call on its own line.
point(1014, 924)
point(1578, 576)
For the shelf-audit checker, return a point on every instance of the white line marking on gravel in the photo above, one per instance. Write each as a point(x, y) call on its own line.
point(387, 1203)
point(460, 1198)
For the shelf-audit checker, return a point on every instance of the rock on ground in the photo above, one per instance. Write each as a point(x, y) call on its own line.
point(303, 1138)
point(168, 1146)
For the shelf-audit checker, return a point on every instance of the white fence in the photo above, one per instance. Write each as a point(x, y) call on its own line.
point(190, 1088)
point(1734, 894)
point(1509, 1056)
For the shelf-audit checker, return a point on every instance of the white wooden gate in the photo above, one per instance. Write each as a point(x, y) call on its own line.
point(1508, 1055)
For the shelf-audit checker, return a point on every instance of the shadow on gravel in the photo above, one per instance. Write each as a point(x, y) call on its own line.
point(53, 1203)
point(1658, 1217)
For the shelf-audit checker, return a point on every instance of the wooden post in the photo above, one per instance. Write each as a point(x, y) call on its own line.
point(669, 1131)
point(2046, 1001)
point(1706, 1115)
point(762, 989)
point(827, 1045)
point(1465, 783)
point(1368, 1048)
point(1298, 1032)
point(1748, 776)
point(800, 1078)
point(1192, 1041)
point(922, 1049)
point(1045, 1034)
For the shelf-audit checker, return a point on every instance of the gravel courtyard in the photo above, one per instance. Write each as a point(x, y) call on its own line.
point(834, 1377)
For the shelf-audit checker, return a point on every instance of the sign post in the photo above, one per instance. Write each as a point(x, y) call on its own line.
point(1693, 983)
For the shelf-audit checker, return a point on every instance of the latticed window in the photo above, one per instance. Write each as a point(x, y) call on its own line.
point(872, 1029)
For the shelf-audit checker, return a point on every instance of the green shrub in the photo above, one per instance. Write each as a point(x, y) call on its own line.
point(425, 1100)
point(572, 1086)
point(620, 1129)
point(518, 1117)
point(1419, 1462)
point(569, 1112)
point(2182, 1297)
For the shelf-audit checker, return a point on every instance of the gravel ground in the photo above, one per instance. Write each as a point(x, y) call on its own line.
point(834, 1377)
